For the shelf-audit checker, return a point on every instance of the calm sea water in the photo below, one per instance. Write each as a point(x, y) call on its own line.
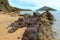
point(56, 26)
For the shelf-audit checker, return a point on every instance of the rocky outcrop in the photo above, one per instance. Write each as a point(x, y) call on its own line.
point(38, 26)
point(45, 30)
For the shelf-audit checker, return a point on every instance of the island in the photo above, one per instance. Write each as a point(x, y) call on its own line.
point(46, 8)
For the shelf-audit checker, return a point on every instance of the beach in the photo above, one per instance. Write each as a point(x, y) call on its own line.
point(5, 21)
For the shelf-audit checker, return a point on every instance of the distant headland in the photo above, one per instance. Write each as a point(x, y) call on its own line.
point(45, 8)
point(5, 6)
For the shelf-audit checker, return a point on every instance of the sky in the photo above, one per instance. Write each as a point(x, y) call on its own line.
point(35, 4)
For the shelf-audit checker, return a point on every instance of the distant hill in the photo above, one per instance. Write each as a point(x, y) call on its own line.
point(4, 6)
point(45, 8)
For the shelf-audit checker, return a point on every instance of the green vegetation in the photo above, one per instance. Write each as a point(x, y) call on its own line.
point(4, 6)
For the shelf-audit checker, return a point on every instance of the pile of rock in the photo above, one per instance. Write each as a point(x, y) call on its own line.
point(38, 26)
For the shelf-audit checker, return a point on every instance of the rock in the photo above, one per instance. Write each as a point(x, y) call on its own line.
point(35, 14)
point(38, 26)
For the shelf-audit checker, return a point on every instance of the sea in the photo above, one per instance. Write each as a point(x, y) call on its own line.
point(55, 26)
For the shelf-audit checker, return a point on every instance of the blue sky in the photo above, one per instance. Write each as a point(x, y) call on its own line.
point(35, 4)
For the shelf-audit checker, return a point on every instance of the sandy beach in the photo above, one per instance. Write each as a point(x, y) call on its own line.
point(5, 21)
